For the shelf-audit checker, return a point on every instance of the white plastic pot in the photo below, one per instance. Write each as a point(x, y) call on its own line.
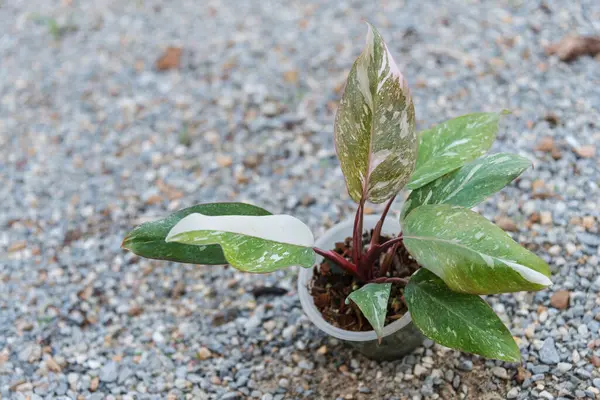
point(399, 338)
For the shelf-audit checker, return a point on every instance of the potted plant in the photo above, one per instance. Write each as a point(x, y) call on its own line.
point(366, 278)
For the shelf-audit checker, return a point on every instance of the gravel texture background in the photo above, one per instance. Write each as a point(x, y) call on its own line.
point(94, 140)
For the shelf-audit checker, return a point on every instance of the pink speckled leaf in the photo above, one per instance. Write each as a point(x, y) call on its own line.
point(375, 133)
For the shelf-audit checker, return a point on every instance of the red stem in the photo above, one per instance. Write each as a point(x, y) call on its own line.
point(391, 242)
point(377, 230)
point(384, 279)
point(375, 251)
point(388, 260)
point(357, 234)
point(339, 260)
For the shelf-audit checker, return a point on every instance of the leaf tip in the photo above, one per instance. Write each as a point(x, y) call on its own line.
point(127, 241)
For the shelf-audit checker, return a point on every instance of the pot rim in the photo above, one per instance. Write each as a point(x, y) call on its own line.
point(390, 225)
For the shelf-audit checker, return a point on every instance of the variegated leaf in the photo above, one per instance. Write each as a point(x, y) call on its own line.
point(372, 299)
point(375, 125)
point(252, 244)
point(470, 184)
point(451, 144)
point(148, 239)
point(469, 253)
point(457, 320)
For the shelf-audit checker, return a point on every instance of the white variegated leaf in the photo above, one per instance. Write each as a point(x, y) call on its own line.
point(250, 243)
point(470, 184)
point(375, 125)
point(451, 144)
point(458, 320)
point(471, 254)
point(372, 299)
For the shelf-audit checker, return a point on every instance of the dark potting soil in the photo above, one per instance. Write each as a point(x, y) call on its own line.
point(331, 285)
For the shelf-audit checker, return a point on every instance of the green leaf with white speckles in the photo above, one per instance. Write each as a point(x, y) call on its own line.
point(451, 144)
point(148, 239)
point(470, 184)
point(469, 253)
point(252, 244)
point(375, 133)
point(457, 320)
point(372, 299)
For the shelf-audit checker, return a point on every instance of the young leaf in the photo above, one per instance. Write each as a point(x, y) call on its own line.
point(372, 299)
point(148, 239)
point(451, 144)
point(252, 244)
point(469, 253)
point(470, 184)
point(375, 125)
point(457, 320)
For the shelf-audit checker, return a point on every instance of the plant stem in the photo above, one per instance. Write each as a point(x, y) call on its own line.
point(339, 260)
point(400, 281)
point(377, 230)
point(387, 261)
point(376, 250)
point(391, 242)
point(357, 234)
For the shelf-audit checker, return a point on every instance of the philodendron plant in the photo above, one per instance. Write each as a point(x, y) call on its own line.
point(462, 255)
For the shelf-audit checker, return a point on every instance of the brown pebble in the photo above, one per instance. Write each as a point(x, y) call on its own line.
point(251, 161)
point(17, 246)
point(178, 290)
point(560, 299)
point(291, 76)
point(545, 144)
point(556, 155)
point(135, 311)
point(204, 353)
point(552, 119)
point(596, 361)
point(537, 185)
point(587, 151)
point(308, 200)
point(322, 350)
point(154, 199)
point(169, 59)
point(546, 218)
point(52, 365)
point(507, 224)
point(589, 222)
point(522, 374)
point(224, 160)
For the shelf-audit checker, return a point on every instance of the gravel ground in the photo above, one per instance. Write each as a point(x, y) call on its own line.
point(94, 140)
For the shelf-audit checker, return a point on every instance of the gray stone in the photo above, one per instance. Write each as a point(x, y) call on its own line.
point(512, 393)
point(589, 238)
point(500, 372)
point(284, 383)
point(466, 365)
point(540, 369)
point(548, 353)
point(109, 372)
point(564, 367)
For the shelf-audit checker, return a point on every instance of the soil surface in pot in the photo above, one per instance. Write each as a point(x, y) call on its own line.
point(331, 285)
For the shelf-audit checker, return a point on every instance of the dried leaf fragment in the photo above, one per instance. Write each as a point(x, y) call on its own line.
point(572, 47)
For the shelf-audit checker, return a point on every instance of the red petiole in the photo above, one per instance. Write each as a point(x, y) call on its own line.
point(362, 264)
